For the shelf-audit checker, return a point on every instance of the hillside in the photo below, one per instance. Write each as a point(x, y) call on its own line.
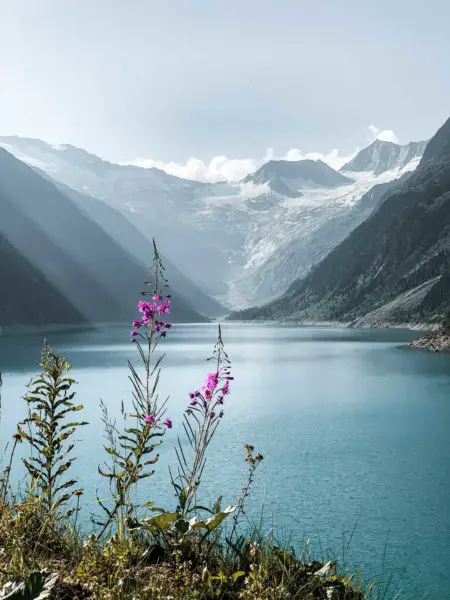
point(394, 267)
point(132, 241)
point(26, 297)
point(70, 249)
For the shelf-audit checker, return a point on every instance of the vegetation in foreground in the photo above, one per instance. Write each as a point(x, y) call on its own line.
point(141, 551)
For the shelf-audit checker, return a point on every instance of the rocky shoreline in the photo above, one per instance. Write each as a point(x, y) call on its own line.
point(435, 341)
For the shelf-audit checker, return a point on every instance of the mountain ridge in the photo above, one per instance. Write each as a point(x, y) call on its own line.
point(380, 156)
point(69, 248)
point(242, 243)
point(394, 267)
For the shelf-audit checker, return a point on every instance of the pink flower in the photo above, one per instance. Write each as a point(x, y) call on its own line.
point(150, 419)
point(133, 334)
point(226, 388)
point(212, 380)
point(156, 297)
point(168, 423)
point(208, 394)
point(221, 414)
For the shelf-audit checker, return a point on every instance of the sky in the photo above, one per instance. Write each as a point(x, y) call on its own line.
point(209, 88)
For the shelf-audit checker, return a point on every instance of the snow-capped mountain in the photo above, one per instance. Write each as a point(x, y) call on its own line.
point(246, 242)
point(382, 156)
point(290, 178)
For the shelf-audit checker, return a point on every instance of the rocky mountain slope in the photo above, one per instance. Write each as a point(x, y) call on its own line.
point(69, 249)
point(394, 267)
point(244, 243)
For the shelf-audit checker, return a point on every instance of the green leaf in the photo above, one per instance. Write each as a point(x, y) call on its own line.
point(213, 522)
point(182, 526)
point(161, 522)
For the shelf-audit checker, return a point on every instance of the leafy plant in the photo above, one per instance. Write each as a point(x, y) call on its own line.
point(253, 461)
point(132, 448)
point(50, 404)
point(200, 422)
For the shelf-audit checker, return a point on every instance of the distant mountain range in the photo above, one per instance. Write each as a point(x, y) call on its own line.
point(242, 243)
point(64, 242)
point(395, 266)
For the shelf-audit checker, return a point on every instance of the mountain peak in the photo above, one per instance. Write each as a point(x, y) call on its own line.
point(381, 156)
point(289, 177)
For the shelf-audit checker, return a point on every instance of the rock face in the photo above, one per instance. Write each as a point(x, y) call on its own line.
point(436, 341)
point(394, 267)
point(382, 156)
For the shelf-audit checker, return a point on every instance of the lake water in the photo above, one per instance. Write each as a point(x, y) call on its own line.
point(353, 425)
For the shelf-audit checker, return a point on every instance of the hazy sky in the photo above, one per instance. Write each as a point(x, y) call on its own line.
point(169, 80)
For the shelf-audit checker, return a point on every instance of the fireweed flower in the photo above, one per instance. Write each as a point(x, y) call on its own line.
point(150, 419)
point(212, 380)
point(212, 393)
point(149, 311)
point(168, 423)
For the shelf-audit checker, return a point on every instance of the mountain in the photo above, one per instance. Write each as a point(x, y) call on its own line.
point(243, 243)
point(69, 249)
point(381, 156)
point(288, 178)
point(157, 204)
point(131, 240)
point(394, 267)
point(26, 297)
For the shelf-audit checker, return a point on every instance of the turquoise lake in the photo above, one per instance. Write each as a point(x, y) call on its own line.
point(353, 425)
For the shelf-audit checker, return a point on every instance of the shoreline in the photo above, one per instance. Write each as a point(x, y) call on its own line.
point(435, 341)
point(71, 328)
point(426, 327)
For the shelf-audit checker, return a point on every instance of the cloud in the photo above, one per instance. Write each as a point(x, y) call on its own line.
point(219, 168)
point(222, 168)
point(386, 135)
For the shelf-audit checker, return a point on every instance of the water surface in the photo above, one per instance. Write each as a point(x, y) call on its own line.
point(354, 428)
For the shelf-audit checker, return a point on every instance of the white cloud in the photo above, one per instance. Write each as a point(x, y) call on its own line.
point(222, 168)
point(386, 135)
